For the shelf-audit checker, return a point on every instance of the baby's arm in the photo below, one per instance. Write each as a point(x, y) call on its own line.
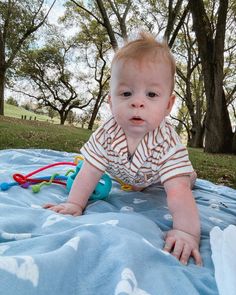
point(83, 186)
point(183, 240)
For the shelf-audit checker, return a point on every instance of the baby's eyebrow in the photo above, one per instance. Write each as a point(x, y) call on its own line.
point(154, 84)
point(123, 84)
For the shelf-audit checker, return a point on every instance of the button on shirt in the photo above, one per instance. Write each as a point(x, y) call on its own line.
point(159, 156)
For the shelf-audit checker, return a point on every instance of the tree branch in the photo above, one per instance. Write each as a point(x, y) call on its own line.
point(28, 32)
point(89, 12)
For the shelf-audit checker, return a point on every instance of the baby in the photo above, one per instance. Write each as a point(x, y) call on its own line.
point(139, 145)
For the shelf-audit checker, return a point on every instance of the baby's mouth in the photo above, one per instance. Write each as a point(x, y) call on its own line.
point(136, 120)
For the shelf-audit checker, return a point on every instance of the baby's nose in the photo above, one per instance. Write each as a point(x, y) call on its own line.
point(137, 103)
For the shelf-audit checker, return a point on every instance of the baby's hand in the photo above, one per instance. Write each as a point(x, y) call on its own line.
point(183, 245)
point(65, 208)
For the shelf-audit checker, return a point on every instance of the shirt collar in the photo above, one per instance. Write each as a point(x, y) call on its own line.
point(151, 140)
point(117, 135)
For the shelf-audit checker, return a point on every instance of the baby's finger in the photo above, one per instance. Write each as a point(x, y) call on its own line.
point(64, 211)
point(69, 212)
point(57, 208)
point(197, 256)
point(178, 249)
point(186, 253)
point(48, 205)
point(169, 244)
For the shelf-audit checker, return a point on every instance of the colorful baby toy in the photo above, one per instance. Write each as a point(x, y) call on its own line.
point(101, 191)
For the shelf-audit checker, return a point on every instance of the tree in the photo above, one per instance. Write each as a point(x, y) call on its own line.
point(189, 84)
point(71, 118)
point(111, 15)
point(84, 117)
point(53, 79)
point(96, 47)
point(19, 20)
point(94, 41)
point(219, 135)
point(12, 101)
point(51, 113)
point(114, 19)
point(164, 17)
point(230, 61)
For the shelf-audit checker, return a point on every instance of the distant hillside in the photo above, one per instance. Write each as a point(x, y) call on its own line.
point(18, 112)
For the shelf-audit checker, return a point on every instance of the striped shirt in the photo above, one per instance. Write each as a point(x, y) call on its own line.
point(159, 156)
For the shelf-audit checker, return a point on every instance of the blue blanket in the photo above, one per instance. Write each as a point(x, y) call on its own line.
point(114, 248)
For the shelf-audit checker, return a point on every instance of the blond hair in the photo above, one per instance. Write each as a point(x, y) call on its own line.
point(147, 46)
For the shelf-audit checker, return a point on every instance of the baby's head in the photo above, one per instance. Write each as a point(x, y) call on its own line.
point(146, 47)
point(141, 85)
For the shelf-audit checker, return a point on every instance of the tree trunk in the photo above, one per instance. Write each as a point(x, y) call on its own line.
point(92, 119)
point(197, 133)
point(2, 86)
point(94, 113)
point(234, 143)
point(2, 73)
point(62, 118)
point(218, 130)
point(107, 25)
point(198, 128)
point(219, 135)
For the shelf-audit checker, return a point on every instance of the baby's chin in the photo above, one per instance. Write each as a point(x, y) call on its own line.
point(135, 131)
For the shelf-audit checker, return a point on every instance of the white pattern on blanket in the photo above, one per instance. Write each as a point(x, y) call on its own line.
point(224, 258)
point(114, 248)
point(128, 284)
point(22, 267)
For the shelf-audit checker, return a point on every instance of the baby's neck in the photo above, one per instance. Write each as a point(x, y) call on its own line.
point(132, 144)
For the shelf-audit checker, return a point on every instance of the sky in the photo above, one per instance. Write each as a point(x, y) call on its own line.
point(57, 10)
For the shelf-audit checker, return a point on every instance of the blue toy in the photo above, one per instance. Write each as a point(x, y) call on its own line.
point(101, 191)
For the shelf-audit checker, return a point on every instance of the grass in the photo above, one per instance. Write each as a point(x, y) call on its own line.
point(17, 112)
point(17, 133)
point(218, 168)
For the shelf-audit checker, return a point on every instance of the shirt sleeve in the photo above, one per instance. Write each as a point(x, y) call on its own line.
point(175, 163)
point(94, 151)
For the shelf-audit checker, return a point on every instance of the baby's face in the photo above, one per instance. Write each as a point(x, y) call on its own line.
point(140, 95)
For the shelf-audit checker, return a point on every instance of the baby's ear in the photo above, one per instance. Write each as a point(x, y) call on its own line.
point(170, 104)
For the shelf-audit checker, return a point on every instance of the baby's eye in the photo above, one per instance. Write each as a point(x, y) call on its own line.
point(126, 93)
point(152, 94)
